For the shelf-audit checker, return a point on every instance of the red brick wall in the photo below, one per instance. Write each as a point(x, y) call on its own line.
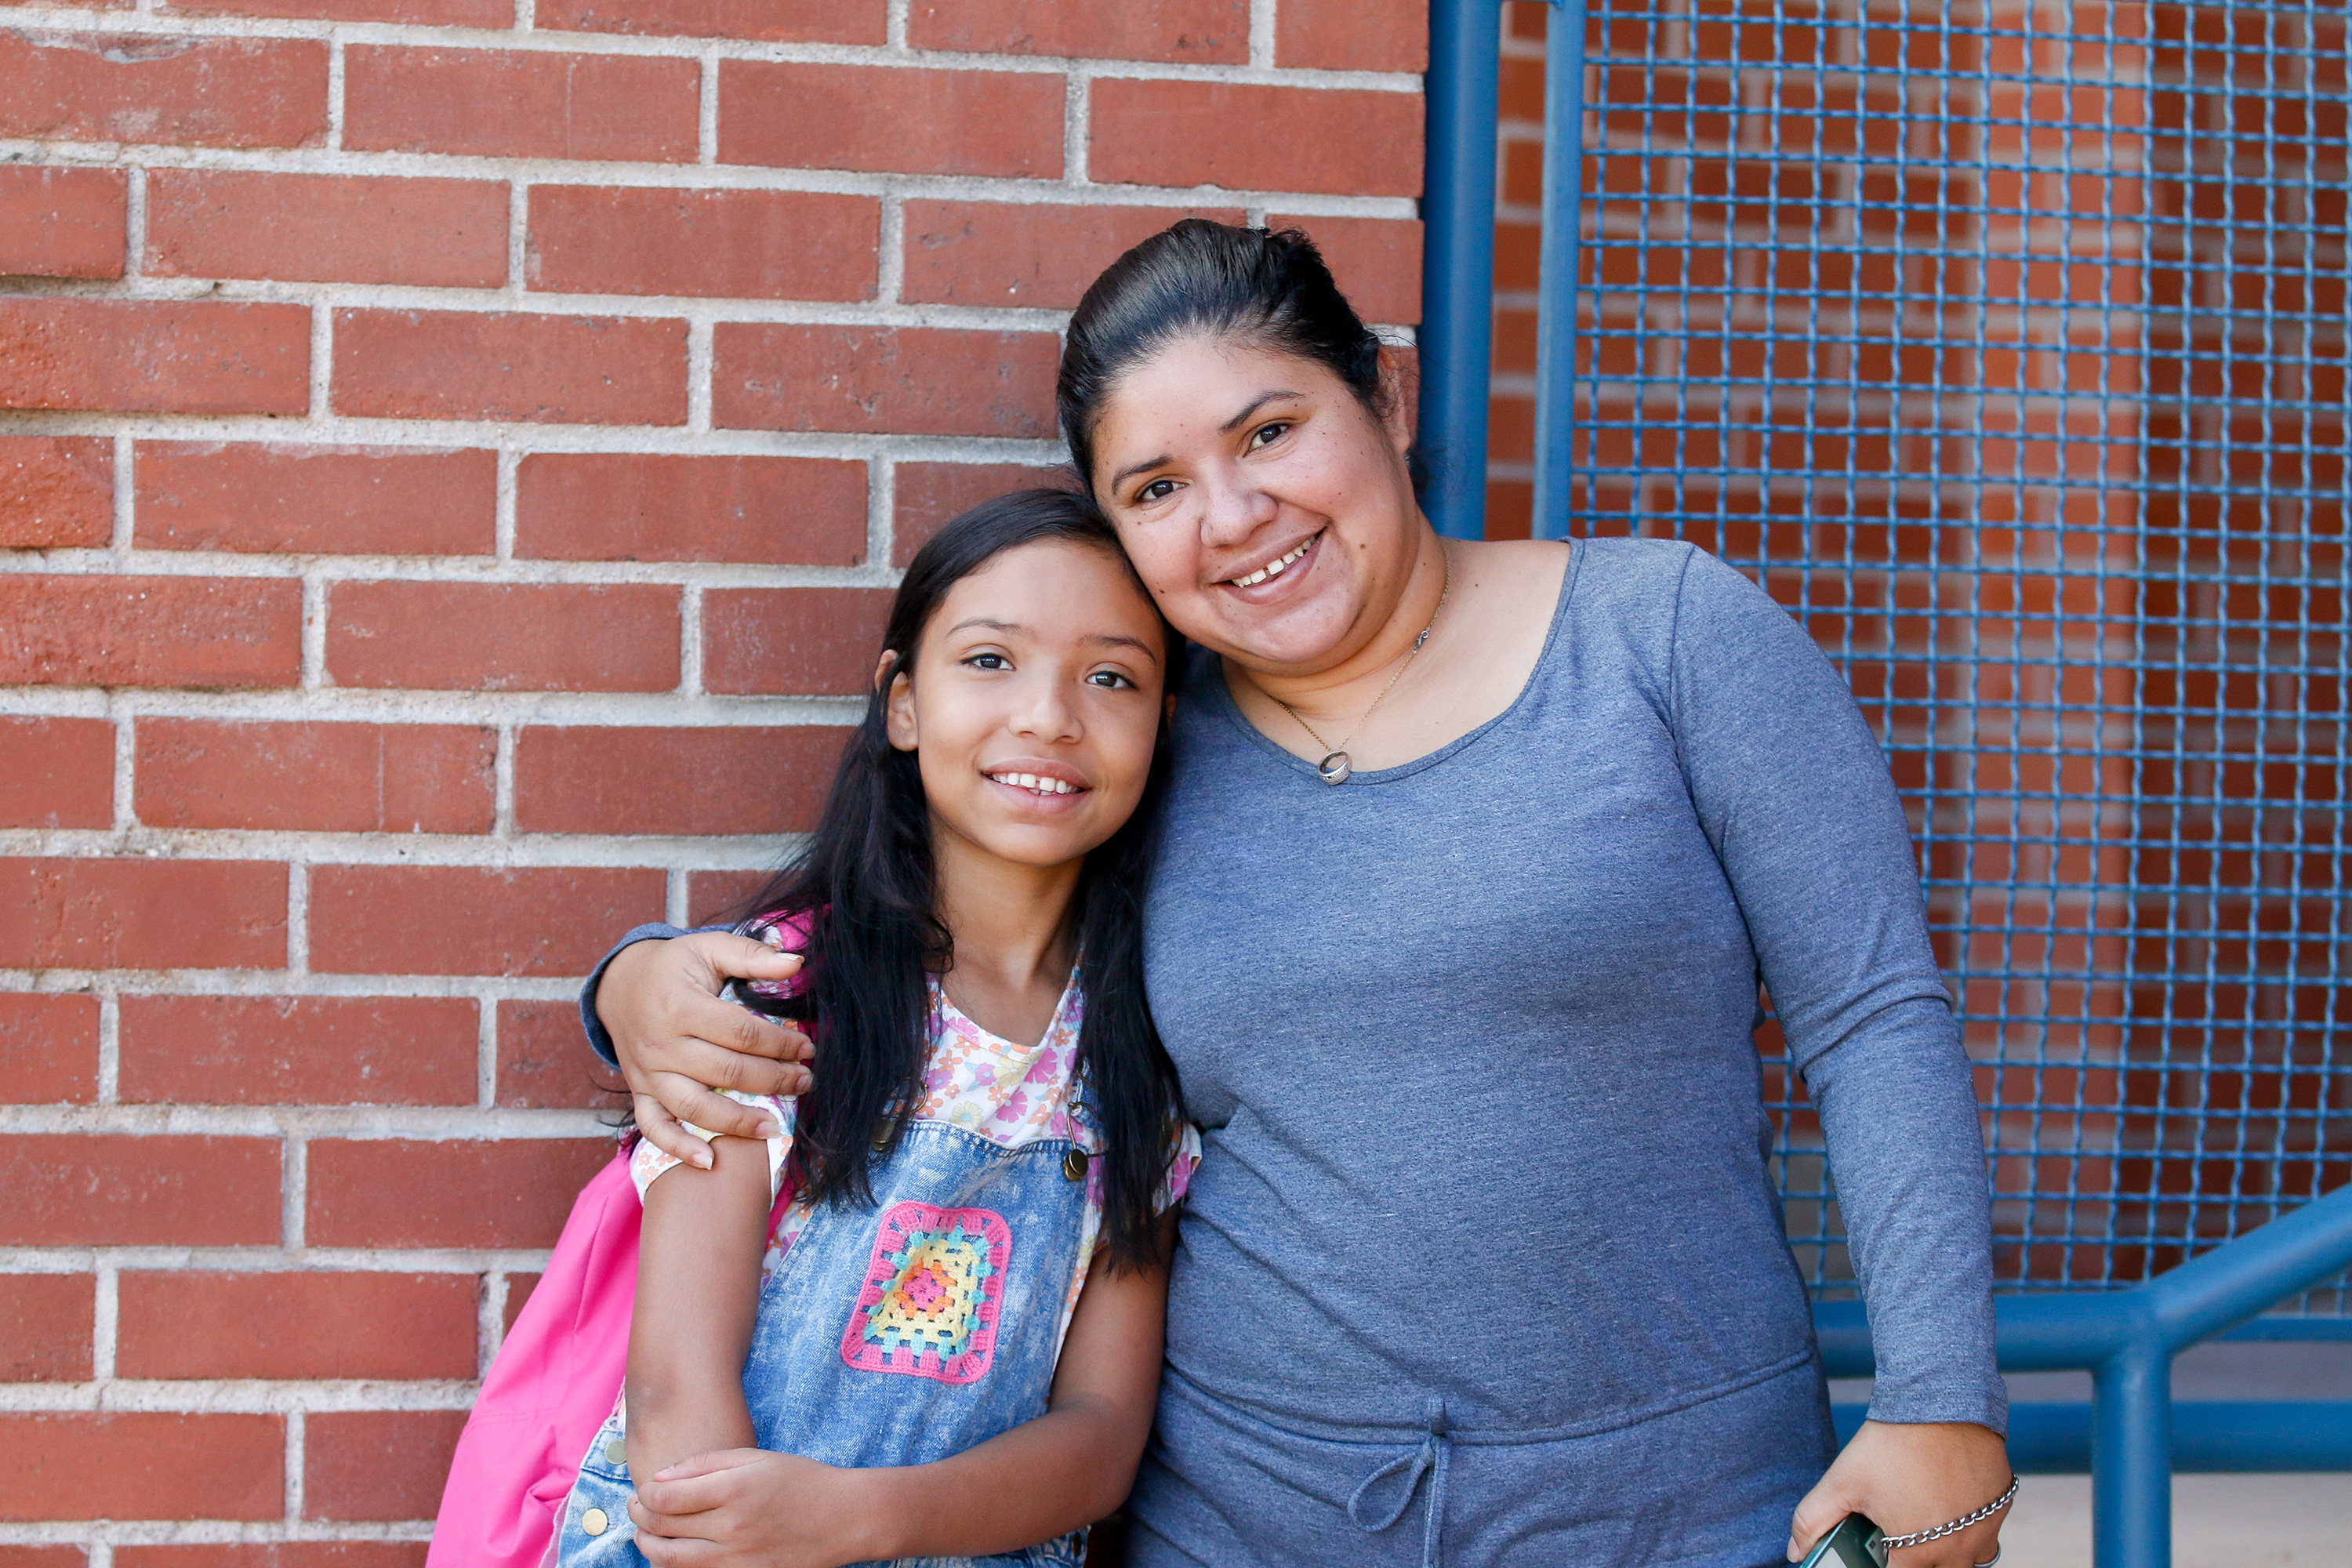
point(452, 457)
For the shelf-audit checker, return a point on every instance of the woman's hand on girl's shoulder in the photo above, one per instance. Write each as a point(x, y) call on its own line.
point(744, 1508)
point(678, 1041)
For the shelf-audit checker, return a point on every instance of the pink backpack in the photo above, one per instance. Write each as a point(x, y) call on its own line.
point(557, 1376)
point(552, 1384)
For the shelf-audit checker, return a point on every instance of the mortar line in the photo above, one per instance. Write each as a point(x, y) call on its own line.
point(706, 111)
point(135, 227)
point(124, 538)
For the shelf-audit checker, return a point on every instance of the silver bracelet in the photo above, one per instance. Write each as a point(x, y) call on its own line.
point(1921, 1537)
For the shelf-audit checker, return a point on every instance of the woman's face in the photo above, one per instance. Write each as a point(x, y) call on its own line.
point(1034, 703)
point(1270, 513)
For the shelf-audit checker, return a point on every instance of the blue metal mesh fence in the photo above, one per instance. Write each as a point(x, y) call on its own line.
point(2005, 342)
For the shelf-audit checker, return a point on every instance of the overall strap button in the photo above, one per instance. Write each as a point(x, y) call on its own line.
point(593, 1521)
point(1073, 1165)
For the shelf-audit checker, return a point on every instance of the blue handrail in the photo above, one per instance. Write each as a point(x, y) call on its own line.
point(2127, 1339)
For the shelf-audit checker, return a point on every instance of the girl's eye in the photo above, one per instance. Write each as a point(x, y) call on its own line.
point(1266, 435)
point(1110, 679)
point(988, 662)
point(1158, 489)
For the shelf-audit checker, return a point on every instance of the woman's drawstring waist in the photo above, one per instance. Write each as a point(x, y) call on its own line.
point(1431, 1460)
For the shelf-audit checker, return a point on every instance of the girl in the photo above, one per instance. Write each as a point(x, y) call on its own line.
point(954, 1349)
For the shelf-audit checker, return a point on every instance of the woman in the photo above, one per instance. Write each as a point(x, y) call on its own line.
point(1473, 857)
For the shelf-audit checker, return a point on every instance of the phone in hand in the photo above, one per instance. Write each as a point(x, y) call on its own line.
point(1854, 1543)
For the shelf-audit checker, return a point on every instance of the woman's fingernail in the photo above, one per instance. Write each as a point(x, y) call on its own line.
point(769, 1130)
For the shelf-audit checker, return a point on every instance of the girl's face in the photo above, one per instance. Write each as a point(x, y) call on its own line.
point(1270, 513)
point(1035, 703)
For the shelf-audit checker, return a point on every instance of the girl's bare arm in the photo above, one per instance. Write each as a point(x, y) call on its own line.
point(698, 1293)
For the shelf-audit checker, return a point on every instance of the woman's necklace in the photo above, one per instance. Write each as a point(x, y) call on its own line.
point(1337, 764)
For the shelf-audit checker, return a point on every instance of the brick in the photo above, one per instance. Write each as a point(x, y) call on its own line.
point(116, 1189)
point(670, 506)
point(914, 381)
point(155, 356)
point(1348, 35)
point(172, 91)
point(62, 223)
point(399, 1193)
point(495, 637)
point(137, 1464)
point(194, 1323)
point(48, 1051)
point(45, 1327)
point(730, 779)
point(420, 13)
point(377, 1464)
point(518, 1290)
point(1376, 261)
point(804, 641)
point(1042, 255)
point(149, 631)
point(57, 772)
point(1191, 32)
point(98, 913)
point(734, 245)
point(323, 778)
point(277, 1554)
point(327, 228)
point(297, 1050)
point(544, 1063)
point(464, 920)
point(43, 1557)
point(498, 103)
point(1341, 140)
point(924, 497)
point(549, 370)
point(791, 115)
point(783, 21)
point(712, 897)
point(316, 501)
point(55, 491)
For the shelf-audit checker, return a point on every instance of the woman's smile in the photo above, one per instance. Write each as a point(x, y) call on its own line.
point(1267, 582)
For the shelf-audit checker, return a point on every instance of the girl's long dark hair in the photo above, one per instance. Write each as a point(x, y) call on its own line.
point(865, 886)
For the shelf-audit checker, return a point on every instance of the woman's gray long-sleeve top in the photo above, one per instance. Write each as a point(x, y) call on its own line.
point(1470, 1040)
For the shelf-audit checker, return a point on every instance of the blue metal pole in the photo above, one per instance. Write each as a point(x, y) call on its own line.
point(2131, 1460)
point(1563, 229)
point(1457, 266)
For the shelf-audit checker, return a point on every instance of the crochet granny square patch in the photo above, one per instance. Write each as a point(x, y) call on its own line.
point(932, 1288)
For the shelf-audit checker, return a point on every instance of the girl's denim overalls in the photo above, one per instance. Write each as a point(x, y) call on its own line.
point(896, 1334)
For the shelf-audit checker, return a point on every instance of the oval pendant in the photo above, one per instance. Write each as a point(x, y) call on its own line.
point(1336, 767)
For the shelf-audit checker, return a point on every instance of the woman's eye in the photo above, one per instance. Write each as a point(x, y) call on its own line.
point(988, 662)
point(1266, 435)
point(1108, 677)
point(1158, 489)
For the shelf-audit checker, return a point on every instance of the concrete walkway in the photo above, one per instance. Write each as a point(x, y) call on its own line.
point(2218, 1521)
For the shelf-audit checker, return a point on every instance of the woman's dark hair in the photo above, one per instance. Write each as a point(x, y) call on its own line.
point(865, 887)
point(1266, 287)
